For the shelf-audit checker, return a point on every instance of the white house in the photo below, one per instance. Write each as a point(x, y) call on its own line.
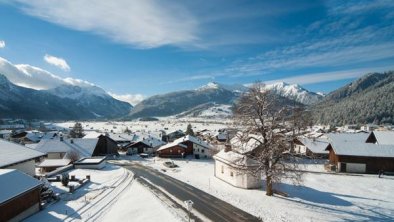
point(16, 156)
point(236, 169)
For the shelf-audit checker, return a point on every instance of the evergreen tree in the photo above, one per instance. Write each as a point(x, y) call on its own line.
point(77, 131)
point(189, 130)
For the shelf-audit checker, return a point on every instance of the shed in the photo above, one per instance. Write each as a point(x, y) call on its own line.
point(90, 163)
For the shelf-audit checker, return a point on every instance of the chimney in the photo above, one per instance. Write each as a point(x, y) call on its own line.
point(71, 141)
point(61, 138)
point(227, 148)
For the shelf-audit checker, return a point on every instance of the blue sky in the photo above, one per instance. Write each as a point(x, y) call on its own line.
point(135, 49)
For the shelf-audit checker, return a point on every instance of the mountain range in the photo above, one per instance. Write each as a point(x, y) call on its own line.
point(61, 103)
point(195, 101)
point(369, 99)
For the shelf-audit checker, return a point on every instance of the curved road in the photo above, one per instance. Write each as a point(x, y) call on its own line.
point(206, 204)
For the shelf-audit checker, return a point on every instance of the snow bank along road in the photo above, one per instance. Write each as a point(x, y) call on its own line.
point(206, 204)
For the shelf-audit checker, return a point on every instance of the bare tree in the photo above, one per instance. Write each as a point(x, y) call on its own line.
point(265, 118)
point(73, 155)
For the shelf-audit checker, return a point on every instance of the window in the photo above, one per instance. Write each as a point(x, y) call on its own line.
point(231, 174)
point(202, 150)
point(170, 150)
point(222, 169)
point(179, 151)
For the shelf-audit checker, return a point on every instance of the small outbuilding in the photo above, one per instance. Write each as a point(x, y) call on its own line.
point(237, 169)
point(90, 163)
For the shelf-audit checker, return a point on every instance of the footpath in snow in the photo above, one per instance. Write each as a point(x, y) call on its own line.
point(111, 195)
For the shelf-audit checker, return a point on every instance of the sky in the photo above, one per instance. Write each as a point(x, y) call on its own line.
point(135, 49)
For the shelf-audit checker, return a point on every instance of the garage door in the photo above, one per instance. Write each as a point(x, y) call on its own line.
point(355, 167)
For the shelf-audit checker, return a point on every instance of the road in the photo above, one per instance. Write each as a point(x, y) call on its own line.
point(206, 204)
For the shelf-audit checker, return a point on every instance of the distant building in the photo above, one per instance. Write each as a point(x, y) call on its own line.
point(146, 145)
point(186, 145)
point(173, 136)
point(19, 196)
point(314, 147)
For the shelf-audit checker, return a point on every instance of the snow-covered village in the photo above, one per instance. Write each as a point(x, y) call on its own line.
point(205, 111)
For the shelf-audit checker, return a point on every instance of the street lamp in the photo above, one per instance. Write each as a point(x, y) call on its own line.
point(189, 206)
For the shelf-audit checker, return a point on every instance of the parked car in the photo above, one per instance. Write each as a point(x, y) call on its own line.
point(170, 164)
point(144, 155)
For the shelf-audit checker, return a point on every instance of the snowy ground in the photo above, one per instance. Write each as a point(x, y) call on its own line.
point(167, 124)
point(322, 197)
point(112, 195)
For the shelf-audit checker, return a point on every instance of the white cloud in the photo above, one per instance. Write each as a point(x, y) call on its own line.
point(2, 44)
point(56, 61)
point(133, 99)
point(329, 76)
point(144, 24)
point(34, 77)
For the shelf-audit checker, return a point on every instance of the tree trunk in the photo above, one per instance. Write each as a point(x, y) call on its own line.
point(269, 191)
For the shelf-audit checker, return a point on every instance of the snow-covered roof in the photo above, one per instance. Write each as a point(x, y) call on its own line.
point(169, 145)
point(362, 149)
point(251, 142)
point(14, 183)
point(384, 137)
point(54, 163)
point(193, 139)
point(92, 135)
point(92, 160)
point(118, 137)
point(347, 137)
point(84, 147)
point(317, 146)
point(235, 159)
point(11, 153)
point(152, 141)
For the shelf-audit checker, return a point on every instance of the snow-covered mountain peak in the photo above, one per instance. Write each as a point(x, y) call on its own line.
point(295, 92)
point(233, 88)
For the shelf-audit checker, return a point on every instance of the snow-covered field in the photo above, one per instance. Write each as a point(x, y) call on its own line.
point(112, 195)
point(153, 128)
point(322, 197)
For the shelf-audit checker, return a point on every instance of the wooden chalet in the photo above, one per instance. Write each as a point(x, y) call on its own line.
point(19, 196)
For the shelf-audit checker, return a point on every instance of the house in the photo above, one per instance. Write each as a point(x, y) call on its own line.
point(237, 169)
point(49, 165)
point(5, 134)
point(381, 137)
point(173, 136)
point(16, 156)
point(360, 157)
point(186, 145)
point(146, 145)
point(19, 196)
point(121, 139)
point(369, 127)
point(62, 148)
point(315, 147)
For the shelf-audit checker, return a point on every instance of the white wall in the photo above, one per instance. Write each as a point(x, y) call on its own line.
point(56, 155)
point(236, 177)
point(202, 151)
point(27, 167)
